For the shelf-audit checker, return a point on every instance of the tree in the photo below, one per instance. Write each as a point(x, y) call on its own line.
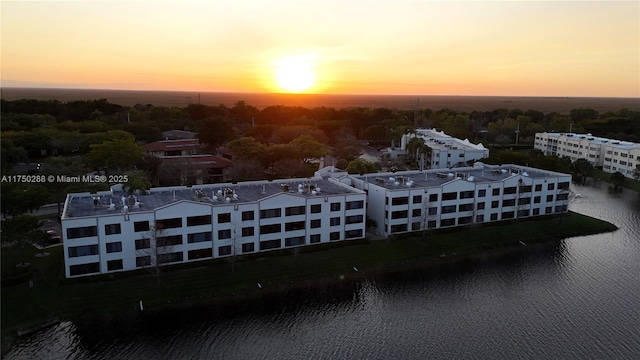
point(582, 168)
point(115, 155)
point(361, 166)
point(636, 172)
point(17, 199)
point(214, 132)
point(19, 231)
point(286, 134)
point(157, 249)
point(247, 148)
point(246, 170)
point(617, 179)
point(137, 180)
point(305, 147)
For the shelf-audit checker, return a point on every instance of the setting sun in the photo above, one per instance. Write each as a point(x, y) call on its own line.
point(295, 74)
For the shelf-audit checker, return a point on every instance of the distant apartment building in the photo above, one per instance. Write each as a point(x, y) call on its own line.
point(608, 154)
point(413, 200)
point(446, 151)
point(112, 231)
point(183, 162)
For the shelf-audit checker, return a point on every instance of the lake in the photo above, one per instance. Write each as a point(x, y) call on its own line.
point(575, 299)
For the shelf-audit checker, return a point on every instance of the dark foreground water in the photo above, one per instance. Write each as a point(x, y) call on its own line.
point(578, 299)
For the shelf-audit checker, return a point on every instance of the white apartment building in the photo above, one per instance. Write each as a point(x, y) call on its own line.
point(609, 154)
point(410, 201)
point(446, 151)
point(111, 231)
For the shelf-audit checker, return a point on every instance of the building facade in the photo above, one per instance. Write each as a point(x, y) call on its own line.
point(112, 231)
point(446, 151)
point(411, 201)
point(610, 155)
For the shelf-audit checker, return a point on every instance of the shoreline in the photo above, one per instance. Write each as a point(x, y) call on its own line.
point(385, 259)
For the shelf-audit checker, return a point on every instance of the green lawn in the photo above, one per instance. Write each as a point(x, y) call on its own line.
point(54, 297)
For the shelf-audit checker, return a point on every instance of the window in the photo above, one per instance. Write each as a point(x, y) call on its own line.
point(465, 207)
point(139, 226)
point(433, 210)
point(494, 217)
point(536, 199)
point(549, 198)
point(448, 209)
point(431, 224)
point(270, 213)
point(316, 223)
point(248, 231)
point(480, 218)
point(465, 220)
point(416, 212)
point(508, 215)
point(482, 193)
point(481, 206)
point(199, 237)
point(86, 250)
point(449, 196)
point(563, 185)
point(296, 225)
point(114, 265)
point(114, 247)
point(271, 244)
point(523, 212)
point(536, 211)
point(248, 247)
point(169, 240)
point(84, 269)
point(447, 222)
point(143, 244)
point(334, 221)
point(496, 192)
point(417, 199)
point(551, 186)
point(224, 218)
point(548, 210)
point(415, 226)
point(467, 194)
point(111, 229)
point(564, 196)
point(294, 241)
point(508, 202)
point(169, 258)
point(224, 250)
point(353, 234)
point(525, 188)
point(538, 187)
point(224, 234)
point(354, 219)
point(270, 229)
point(247, 215)
point(510, 190)
point(198, 220)
point(170, 223)
point(143, 260)
point(335, 206)
point(294, 210)
point(433, 197)
point(315, 238)
point(524, 201)
point(495, 204)
point(80, 232)
point(199, 254)
point(350, 205)
point(334, 236)
point(316, 208)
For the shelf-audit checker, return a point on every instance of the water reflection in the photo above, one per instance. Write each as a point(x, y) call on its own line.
point(573, 299)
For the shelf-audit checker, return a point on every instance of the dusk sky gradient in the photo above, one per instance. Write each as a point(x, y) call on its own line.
point(510, 48)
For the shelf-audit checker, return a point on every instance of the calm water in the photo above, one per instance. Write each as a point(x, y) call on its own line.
point(573, 300)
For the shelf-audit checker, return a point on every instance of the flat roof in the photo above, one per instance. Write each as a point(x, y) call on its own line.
point(438, 177)
point(86, 204)
point(596, 140)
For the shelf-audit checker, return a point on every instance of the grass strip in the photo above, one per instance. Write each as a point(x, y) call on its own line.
point(54, 297)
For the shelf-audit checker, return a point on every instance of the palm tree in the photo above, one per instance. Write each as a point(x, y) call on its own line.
point(414, 145)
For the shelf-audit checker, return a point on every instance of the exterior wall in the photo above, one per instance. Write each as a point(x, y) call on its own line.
point(224, 235)
point(609, 154)
point(426, 208)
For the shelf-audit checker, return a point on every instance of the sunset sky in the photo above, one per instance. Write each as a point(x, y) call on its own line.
point(511, 48)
